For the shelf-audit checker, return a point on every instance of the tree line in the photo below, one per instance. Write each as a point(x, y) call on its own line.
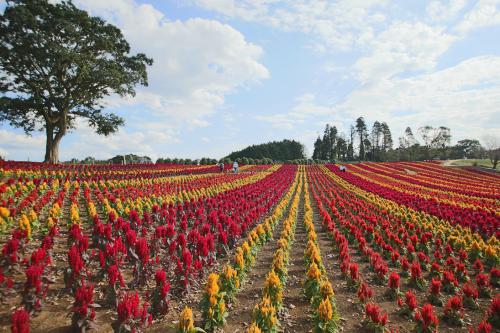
point(279, 151)
point(376, 144)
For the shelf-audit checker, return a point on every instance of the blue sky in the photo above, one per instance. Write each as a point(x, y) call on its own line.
point(229, 73)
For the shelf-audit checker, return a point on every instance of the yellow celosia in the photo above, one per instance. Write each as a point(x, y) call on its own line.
point(212, 287)
point(326, 289)
point(254, 329)
point(186, 321)
point(314, 272)
point(24, 224)
point(325, 310)
point(4, 212)
point(272, 280)
point(74, 215)
point(240, 262)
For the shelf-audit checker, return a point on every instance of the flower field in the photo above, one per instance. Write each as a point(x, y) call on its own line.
point(383, 247)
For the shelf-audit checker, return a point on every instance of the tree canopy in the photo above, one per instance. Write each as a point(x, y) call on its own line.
point(277, 150)
point(56, 64)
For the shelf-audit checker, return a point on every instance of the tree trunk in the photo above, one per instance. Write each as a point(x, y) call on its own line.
point(52, 146)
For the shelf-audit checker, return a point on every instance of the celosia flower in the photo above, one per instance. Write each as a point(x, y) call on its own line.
point(186, 321)
point(394, 280)
point(20, 321)
point(411, 300)
point(364, 292)
point(435, 287)
point(426, 317)
point(254, 329)
point(325, 310)
point(313, 272)
point(326, 290)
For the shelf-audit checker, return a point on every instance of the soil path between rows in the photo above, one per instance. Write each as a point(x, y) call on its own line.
point(296, 313)
point(240, 312)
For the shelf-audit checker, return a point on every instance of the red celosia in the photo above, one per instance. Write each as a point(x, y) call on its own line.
point(454, 310)
point(484, 327)
point(131, 238)
point(131, 316)
point(364, 292)
point(483, 284)
point(435, 287)
point(34, 278)
point(426, 320)
point(114, 276)
point(495, 277)
point(470, 290)
point(76, 265)
point(354, 271)
point(160, 302)
point(20, 321)
point(394, 280)
point(450, 282)
point(416, 270)
point(483, 280)
point(10, 250)
point(478, 266)
point(411, 300)
point(83, 307)
point(142, 250)
point(375, 315)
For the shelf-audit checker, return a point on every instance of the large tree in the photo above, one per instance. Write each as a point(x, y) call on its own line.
point(350, 145)
point(56, 64)
point(469, 148)
point(435, 139)
point(317, 149)
point(376, 138)
point(493, 148)
point(362, 131)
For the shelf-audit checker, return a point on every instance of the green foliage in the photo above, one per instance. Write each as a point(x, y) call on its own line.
point(130, 159)
point(276, 150)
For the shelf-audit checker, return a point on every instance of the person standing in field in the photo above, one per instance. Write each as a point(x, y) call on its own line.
point(221, 166)
point(235, 167)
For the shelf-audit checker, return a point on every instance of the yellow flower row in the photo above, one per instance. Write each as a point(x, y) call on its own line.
point(317, 287)
point(234, 276)
point(459, 236)
point(265, 313)
point(267, 226)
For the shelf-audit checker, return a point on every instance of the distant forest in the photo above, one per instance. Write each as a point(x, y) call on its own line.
point(286, 150)
point(377, 144)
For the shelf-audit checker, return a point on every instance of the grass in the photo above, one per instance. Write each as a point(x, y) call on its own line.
point(484, 163)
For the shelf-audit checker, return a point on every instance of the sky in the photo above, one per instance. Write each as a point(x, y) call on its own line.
point(231, 73)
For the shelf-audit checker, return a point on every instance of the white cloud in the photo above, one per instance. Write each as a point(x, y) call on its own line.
point(404, 46)
point(20, 146)
point(442, 11)
point(464, 97)
point(305, 109)
point(485, 13)
point(341, 24)
point(142, 142)
point(197, 62)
